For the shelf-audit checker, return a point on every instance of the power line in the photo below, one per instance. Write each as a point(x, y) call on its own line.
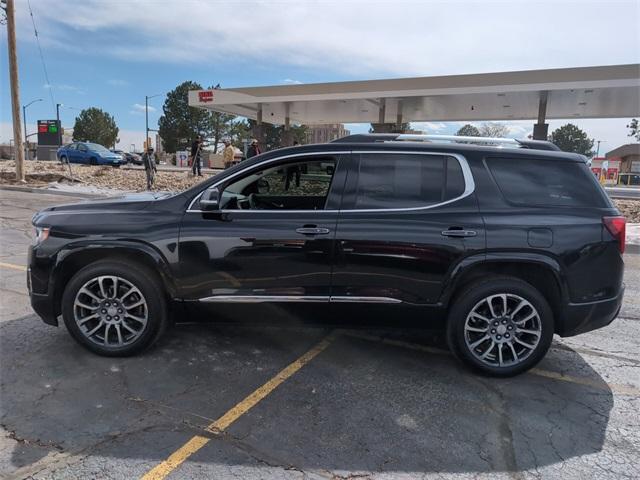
point(44, 65)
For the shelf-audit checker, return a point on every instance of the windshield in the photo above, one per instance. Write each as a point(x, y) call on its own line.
point(96, 147)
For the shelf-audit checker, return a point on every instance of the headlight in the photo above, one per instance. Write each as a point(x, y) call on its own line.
point(41, 234)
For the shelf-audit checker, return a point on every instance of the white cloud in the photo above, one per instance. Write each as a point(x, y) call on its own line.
point(139, 109)
point(116, 82)
point(429, 126)
point(355, 37)
point(291, 81)
point(63, 87)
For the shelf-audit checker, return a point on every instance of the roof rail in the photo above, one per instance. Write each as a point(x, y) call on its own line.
point(410, 137)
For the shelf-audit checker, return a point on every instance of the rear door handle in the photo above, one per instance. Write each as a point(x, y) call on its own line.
point(459, 233)
point(312, 231)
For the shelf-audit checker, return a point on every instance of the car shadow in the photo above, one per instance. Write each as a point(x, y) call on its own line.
point(374, 401)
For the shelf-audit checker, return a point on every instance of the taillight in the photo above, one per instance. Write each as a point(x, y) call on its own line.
point(617, 228)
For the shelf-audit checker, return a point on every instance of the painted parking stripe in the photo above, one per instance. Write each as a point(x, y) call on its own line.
point(163, 469)
point(617, 388)
point(11, 266)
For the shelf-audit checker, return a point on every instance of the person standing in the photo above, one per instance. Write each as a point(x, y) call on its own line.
point(150, 168)
point(196, 158)
point(253, 149)
point(228, 154)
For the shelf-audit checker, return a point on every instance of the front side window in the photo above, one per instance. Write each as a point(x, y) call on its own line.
point(301, 185)
point(390, 180)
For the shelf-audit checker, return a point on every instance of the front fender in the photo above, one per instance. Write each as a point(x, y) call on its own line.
point(133, 251)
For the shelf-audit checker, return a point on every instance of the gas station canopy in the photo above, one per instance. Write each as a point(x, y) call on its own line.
point(586, 92)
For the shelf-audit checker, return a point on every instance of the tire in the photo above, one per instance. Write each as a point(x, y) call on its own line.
point(128, 328)
point(63, 159)
point(503, 352)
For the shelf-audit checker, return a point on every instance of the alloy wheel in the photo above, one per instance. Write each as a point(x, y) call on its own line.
point(110, 311)
point(502, 330)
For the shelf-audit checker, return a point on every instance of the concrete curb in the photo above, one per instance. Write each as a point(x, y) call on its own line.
point(46, 191)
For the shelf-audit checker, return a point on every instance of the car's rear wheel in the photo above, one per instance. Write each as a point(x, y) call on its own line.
point(114, 309)
point(500, 326)
point(63, 159)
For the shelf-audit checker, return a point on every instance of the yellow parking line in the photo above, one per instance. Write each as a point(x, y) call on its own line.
point(587, 382)
point(614, 387)
point(11, 266)
point(163, 469)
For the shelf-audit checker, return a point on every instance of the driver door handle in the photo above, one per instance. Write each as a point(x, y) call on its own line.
point(312, 231)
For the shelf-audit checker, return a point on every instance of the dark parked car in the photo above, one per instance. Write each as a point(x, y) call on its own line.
point(90, 154)
point(508, 245)
point(129, 157)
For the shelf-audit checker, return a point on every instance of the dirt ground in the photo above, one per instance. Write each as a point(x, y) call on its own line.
point(40, 174)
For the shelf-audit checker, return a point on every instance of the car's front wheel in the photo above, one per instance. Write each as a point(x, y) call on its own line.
point(114, 309)
point(500, 326)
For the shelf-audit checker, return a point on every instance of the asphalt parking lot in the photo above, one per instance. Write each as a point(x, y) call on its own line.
point(292, 401)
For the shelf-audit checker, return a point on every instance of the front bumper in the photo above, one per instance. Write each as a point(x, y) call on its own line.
point(43, 305)
point(40, 294)
point(583, 317)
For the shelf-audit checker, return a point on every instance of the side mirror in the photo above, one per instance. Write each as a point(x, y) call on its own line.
point(210, 199)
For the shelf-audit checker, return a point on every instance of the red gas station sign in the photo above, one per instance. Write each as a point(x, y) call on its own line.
point(205, 95)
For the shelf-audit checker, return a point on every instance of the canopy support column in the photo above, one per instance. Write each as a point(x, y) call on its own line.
point(287, 137)
point(257, 129)
point(399, 117)
point(541, 129)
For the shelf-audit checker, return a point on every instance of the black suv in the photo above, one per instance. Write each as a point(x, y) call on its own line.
point(508, 242)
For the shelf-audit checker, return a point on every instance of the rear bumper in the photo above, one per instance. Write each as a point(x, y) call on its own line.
point(583, 317)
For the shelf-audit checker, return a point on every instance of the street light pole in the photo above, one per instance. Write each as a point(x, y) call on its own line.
point(145, 147)
point(58, 105)
point(146, 119)
point(24, 119)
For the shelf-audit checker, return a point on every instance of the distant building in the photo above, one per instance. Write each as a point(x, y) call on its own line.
point(629, 157)
point(325, 133)
point(159, 145)
point(67, 135)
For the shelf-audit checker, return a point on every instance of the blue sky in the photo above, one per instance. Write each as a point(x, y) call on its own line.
point(110, 53)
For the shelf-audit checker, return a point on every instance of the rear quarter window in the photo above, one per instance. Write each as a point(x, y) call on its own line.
point(550, 182)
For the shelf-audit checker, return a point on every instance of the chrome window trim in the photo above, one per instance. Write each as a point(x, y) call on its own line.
point(296, 298)
point(264, 162)
point(469, 184)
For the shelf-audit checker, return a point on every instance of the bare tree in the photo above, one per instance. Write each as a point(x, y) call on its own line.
point(492, 129)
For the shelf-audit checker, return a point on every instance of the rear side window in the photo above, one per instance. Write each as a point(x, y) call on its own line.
point(406, 181)
point(546, 182)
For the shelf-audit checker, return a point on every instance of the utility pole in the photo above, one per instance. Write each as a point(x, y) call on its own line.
point(15, 89)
